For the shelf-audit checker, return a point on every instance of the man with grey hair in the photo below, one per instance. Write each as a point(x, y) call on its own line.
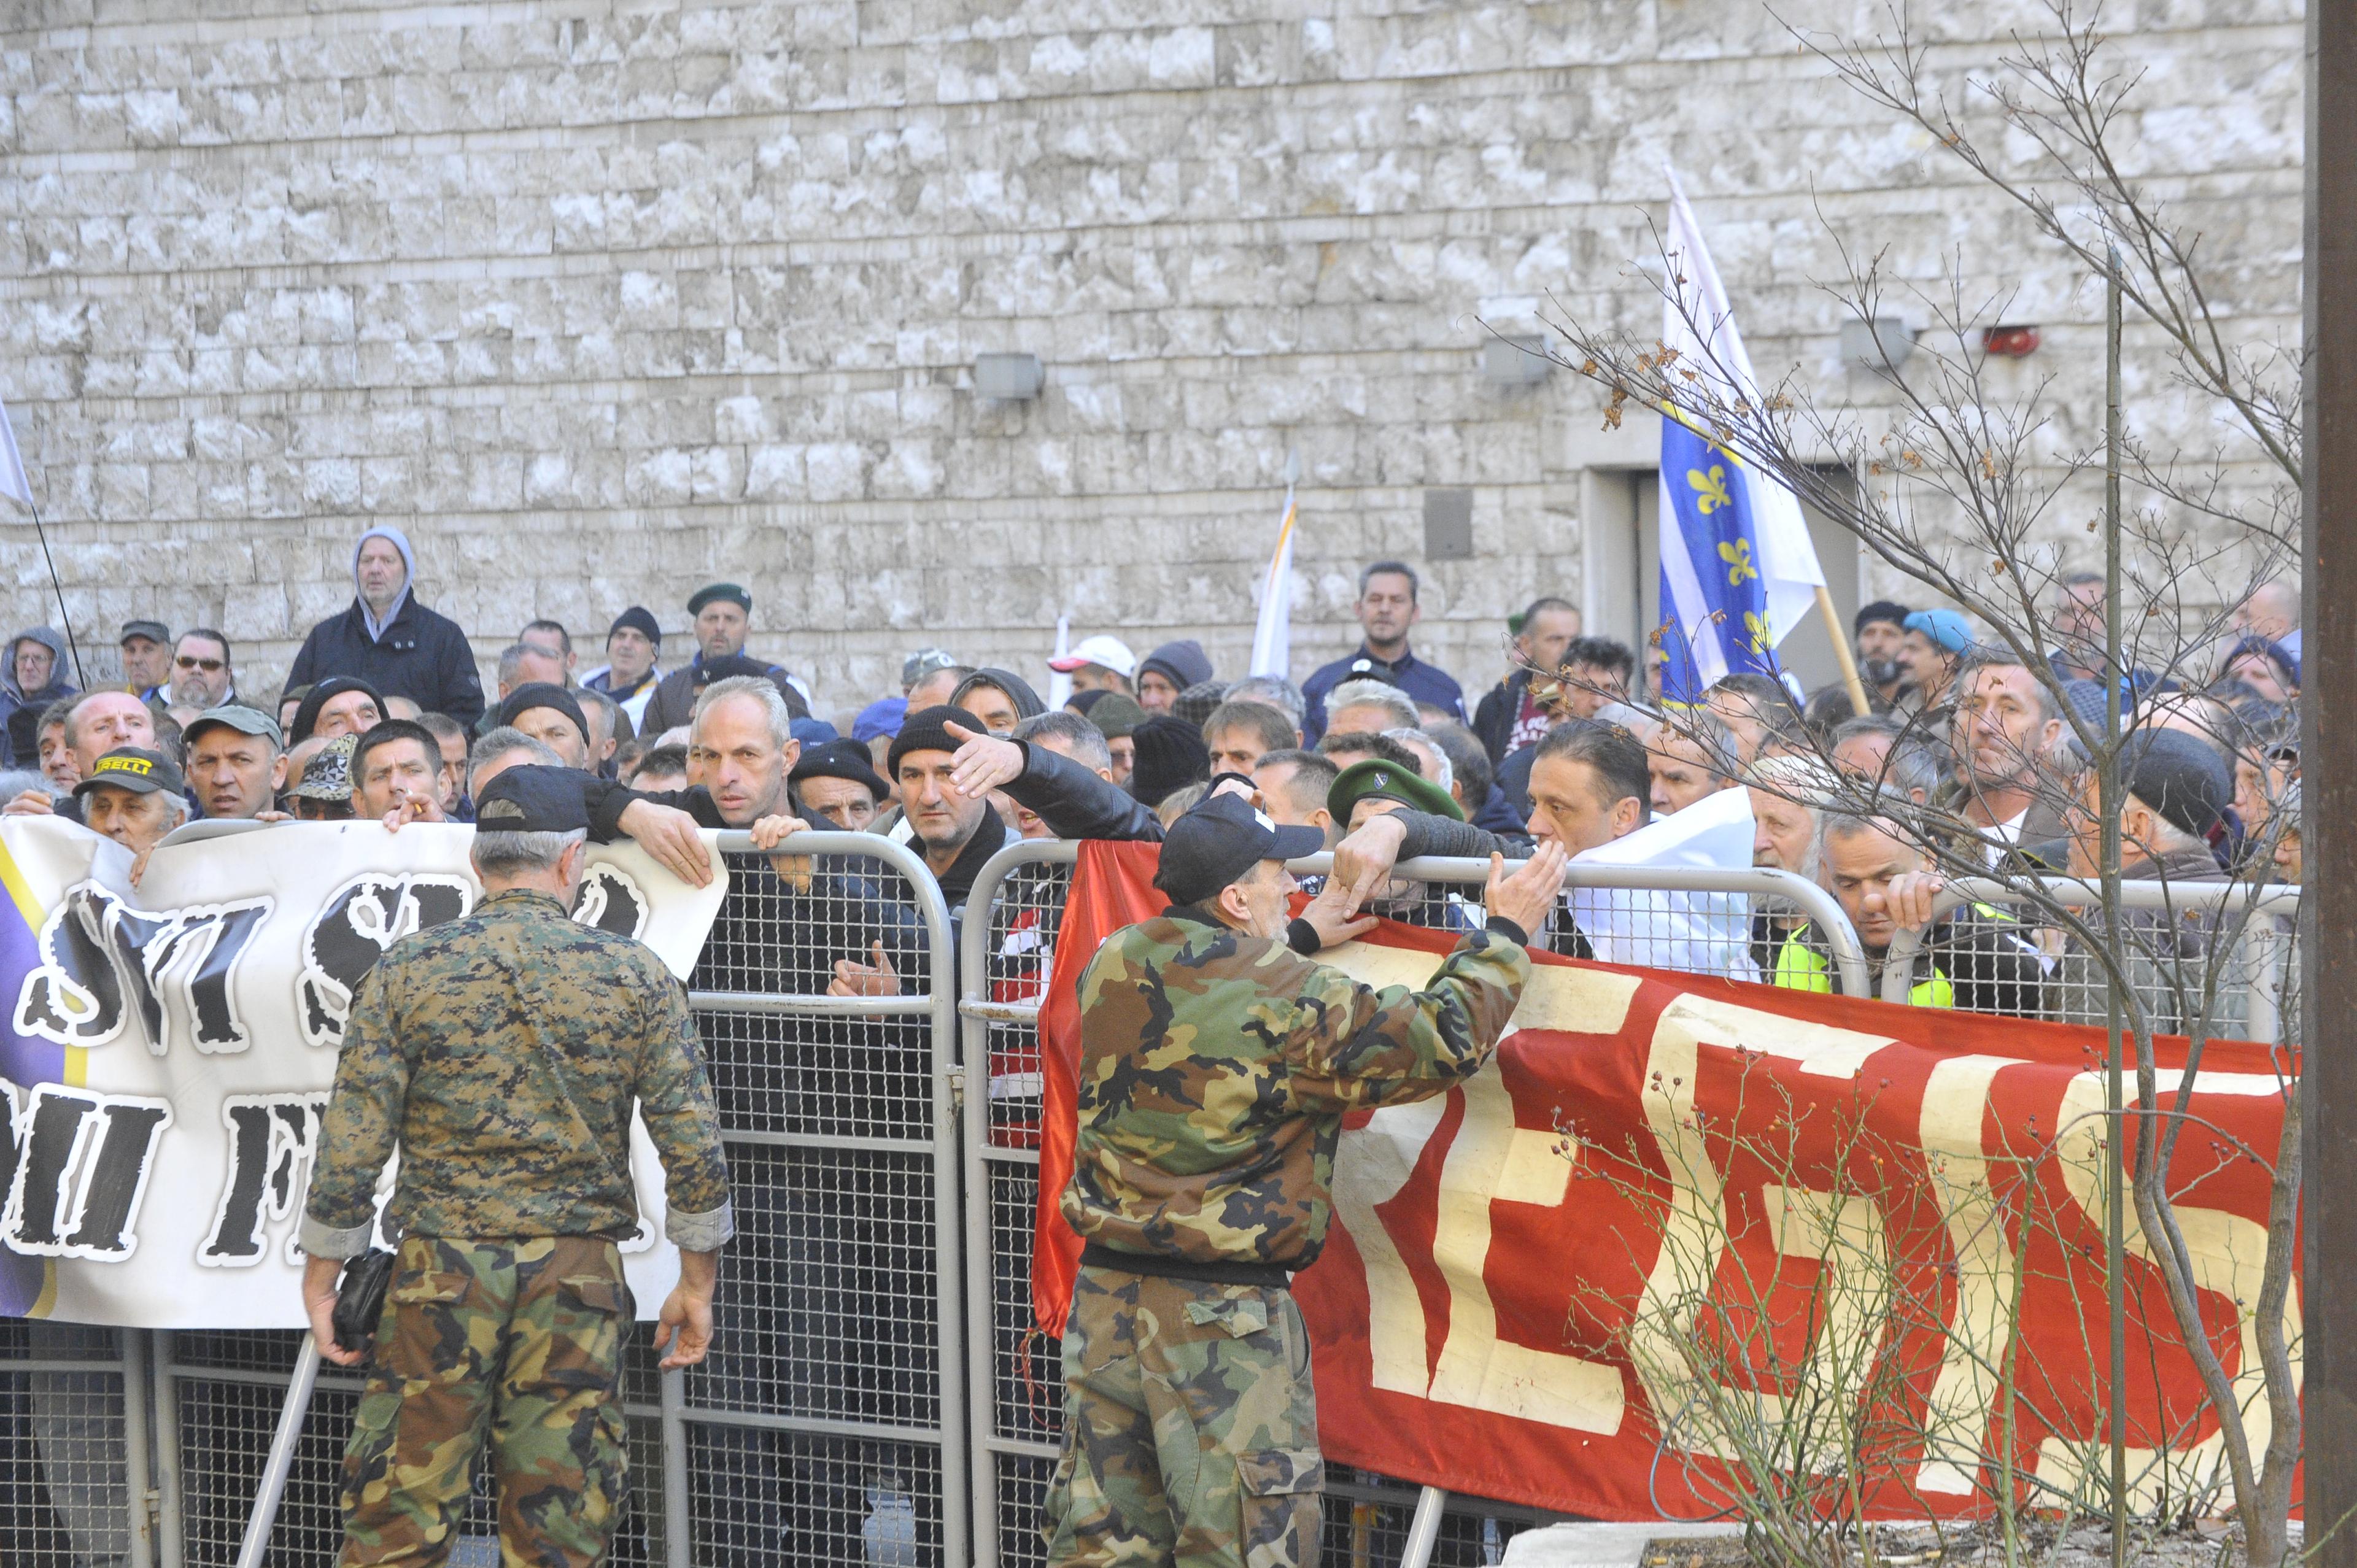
point(525, 664)
point(1788, 792)
point(1354, 707)
point(1431, 761)
point(1275, 690)
point(1883, 751)
point(504, 1055)
point(502, 750)
point(606, 720)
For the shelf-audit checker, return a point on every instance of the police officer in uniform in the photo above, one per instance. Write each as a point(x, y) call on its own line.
point(501, 1052)
point(1217, 1061)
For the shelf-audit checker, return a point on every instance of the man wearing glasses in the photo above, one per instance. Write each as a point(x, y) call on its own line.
point(201, 676)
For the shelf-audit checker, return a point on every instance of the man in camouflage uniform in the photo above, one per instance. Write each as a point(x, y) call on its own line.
point(1216, 1063)
point(503, 1052)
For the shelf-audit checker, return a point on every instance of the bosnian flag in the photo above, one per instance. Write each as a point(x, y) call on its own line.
point(1739, 568)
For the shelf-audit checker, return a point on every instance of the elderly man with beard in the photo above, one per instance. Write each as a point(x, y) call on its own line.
point(202, 676)
point(1879, 629)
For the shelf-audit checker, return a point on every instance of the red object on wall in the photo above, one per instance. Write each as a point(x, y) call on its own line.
point(2009, 342)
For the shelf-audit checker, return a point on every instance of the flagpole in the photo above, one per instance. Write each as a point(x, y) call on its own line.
point(18, 486)
point(72, 648)
point(1842, 652)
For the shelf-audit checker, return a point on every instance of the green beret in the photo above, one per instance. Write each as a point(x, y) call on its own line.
point(712, 591)
point(1377, 779)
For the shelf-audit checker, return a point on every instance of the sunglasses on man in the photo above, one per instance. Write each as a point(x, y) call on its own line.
point(191, 661)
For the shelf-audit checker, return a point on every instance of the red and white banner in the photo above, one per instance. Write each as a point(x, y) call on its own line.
point(1681, 1224)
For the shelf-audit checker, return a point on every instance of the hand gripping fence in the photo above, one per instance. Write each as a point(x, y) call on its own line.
point(1016, 1392)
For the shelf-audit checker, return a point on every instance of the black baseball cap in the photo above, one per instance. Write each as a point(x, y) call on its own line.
point(134, 768)
point(533, 798)
point(153, 630)
point(1220, 840)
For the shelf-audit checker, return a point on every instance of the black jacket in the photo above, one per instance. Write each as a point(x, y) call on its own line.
point(1493, 721)
point(423, 656)
point(673, 702)
point(1077, 804)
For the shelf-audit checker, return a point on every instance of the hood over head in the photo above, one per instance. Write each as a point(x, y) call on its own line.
point(48, 638)
point(399, 542)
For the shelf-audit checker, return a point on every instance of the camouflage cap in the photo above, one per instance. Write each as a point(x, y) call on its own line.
point(328, 775)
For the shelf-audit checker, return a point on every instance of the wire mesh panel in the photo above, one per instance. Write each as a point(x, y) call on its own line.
point(64, 1496)
point(821, 1427)
point(2196, 956)
point(1367, 1518)
point(1017, 1374)
point(229, 1387)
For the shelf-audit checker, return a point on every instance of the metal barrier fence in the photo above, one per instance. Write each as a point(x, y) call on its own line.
point(1686, 920)
point(827, 1426)
point(854, 1411)
point(2219, 955)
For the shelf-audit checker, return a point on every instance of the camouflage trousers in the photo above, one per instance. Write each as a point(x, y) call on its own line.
point(518, 1344)
point(1191, 1428)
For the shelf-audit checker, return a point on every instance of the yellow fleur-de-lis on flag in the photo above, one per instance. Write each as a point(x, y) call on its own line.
point(1757, 624)
point(1737, 557)
point(1710, 489)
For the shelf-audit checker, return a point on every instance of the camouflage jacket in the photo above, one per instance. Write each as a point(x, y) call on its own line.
point(1215, 1070)
point(452, 1052)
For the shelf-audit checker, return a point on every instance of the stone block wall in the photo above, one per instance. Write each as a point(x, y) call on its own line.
point(601, 300)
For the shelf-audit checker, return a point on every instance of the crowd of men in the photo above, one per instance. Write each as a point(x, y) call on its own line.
point(1966, 757)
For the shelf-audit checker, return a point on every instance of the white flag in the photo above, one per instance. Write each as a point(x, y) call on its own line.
point(13, 483)
point(1272, 651)
point(1698, 933)
point(1059, 683)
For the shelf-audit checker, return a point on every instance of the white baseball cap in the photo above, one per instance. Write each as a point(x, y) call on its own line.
point(1109, 652)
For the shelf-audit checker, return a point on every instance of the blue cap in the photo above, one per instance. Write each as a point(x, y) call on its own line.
point(882, 717)
point(1946, 628)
